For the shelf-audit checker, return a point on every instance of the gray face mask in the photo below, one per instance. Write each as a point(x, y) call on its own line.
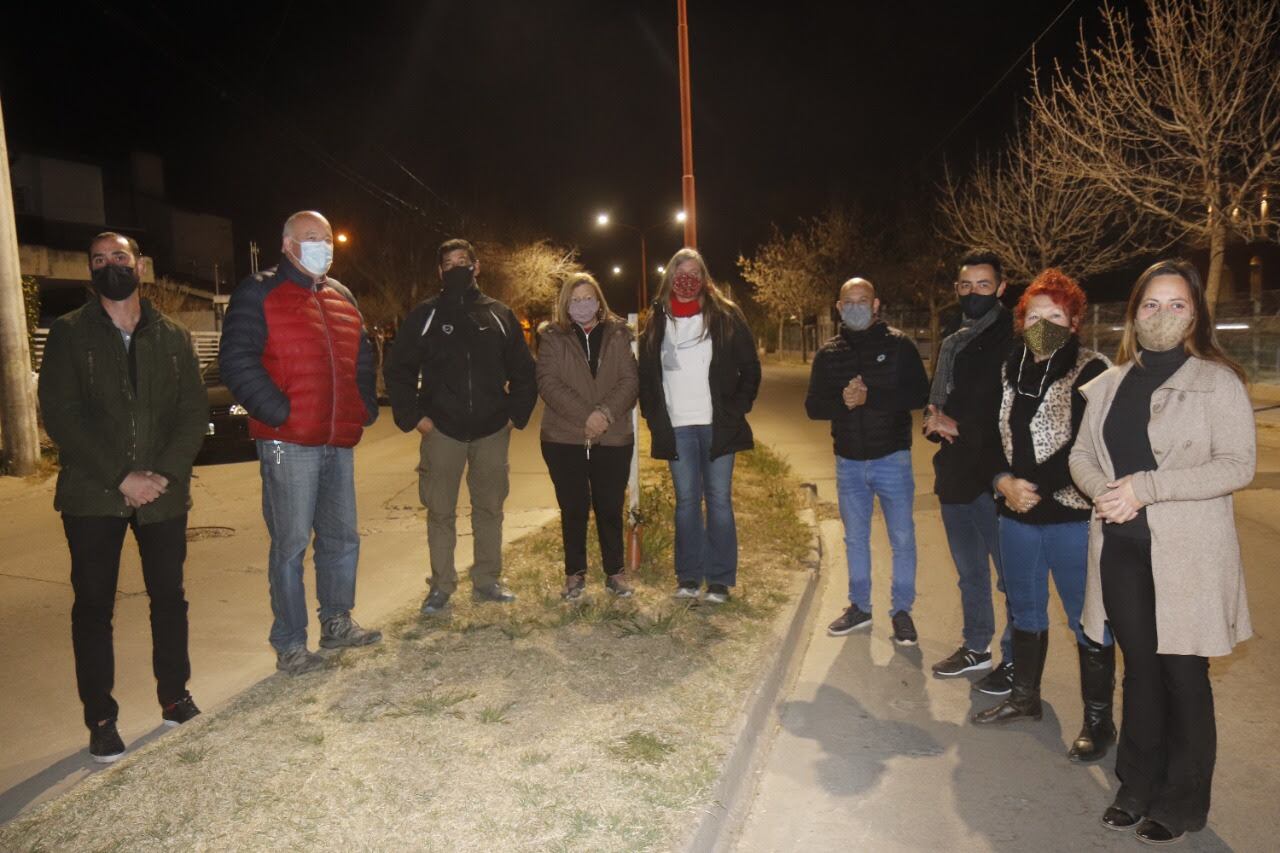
point(857, 316)
point(1162, 331)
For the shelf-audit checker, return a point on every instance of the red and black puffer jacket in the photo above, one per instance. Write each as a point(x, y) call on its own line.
point(296, 356)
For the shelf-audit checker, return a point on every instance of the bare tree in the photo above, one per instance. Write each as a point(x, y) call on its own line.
point(527, 275)
point(1185, 128)
point(1035, 217)
point(799, 273)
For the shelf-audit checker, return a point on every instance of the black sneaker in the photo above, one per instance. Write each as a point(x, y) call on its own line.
point(962, 660)
point(717, 593)
point(436, 601)
point(182, 711)
point(105, 744)
point(687, 590)
point(496, 592)
point(998, 682)
point(904, 630)
point(851, 620)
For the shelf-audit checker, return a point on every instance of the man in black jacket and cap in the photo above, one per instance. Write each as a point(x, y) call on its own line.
point(866, 381)
point(460, 373)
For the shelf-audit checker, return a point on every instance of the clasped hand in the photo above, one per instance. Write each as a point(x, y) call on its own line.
point(855, 393)
point(936, 423)
point(1119, 504)
point(596, 425)
point(1019, 495)
point(142, 487)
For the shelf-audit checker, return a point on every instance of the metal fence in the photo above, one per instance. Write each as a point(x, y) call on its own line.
point(1248, 330)
point(205, 343)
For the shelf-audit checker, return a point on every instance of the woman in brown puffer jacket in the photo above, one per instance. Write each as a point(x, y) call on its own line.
point(587, 378)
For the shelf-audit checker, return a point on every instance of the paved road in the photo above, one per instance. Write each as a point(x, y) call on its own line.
point(43, 743)
point(874, 753)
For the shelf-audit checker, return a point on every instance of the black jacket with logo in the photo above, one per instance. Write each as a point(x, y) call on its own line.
point(890, 365)
point(466, 366)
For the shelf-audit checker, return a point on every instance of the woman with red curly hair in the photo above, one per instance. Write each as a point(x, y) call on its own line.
point(1044, 519)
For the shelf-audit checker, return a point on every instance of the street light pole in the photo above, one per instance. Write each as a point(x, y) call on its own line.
point(686, 130)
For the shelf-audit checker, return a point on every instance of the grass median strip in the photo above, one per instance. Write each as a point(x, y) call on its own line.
point(533, 726)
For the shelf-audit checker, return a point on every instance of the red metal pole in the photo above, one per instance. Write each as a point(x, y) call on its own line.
point(686, 131)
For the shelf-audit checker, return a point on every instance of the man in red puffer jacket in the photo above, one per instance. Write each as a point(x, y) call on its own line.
point(295, 354)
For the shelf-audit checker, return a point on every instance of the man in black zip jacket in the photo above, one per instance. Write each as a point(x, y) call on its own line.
point(866, 381)
point(962, 416)
point(460, 373)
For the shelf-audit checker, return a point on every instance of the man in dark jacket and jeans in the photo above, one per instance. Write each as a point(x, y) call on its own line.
point(295, 355)
point(866, 381)
point(460, 373)
point(120, 394)
point(963, 416)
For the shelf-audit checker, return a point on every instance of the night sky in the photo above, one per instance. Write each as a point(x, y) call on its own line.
point(524, 118)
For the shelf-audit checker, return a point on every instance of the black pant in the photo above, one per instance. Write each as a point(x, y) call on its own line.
point(585, 482)
point(1168, 739)
point(95, 543)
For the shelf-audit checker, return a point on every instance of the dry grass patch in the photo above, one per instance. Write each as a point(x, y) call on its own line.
point(534, 726)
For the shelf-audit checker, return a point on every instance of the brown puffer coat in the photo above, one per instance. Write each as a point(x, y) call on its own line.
point(571, 393)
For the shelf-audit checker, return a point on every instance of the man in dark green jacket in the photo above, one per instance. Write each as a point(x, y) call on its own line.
point(121, 394)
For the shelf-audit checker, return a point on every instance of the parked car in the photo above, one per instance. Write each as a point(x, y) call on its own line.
point(227, 436)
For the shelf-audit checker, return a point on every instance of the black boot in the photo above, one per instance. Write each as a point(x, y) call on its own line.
point(1029, 650)
point(1097, 686)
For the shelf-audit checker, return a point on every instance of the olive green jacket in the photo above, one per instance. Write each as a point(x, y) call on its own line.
point(107, 426)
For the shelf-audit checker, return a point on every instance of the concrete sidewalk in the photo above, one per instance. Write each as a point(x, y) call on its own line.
point(871, 750)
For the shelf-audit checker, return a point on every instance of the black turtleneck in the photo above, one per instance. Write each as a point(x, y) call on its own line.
point(1125, 430)
point(590, 343)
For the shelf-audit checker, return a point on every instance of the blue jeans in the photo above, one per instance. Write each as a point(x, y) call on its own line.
point(858, 484)
point(704, 551)
point(974, 539)
point(1030, 552)
point(306, 489)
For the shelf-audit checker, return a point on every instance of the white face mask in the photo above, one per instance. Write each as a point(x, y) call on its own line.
point(316, 256)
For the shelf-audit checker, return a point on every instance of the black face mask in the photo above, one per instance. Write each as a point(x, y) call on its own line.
point(115, 282)
point(975, 305)
point(457, 280)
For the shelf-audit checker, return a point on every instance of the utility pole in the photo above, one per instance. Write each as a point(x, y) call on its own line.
point(686, 130)
point(17, 392)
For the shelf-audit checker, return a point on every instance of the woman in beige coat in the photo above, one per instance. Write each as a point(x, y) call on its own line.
point(1168, 436)
point(587, 378)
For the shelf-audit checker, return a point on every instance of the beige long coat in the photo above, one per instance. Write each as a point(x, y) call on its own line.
point(1203, 438)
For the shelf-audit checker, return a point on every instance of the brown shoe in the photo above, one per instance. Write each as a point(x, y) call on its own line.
point(617, 584)
point(574, 586)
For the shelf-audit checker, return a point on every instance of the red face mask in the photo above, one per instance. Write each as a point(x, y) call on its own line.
point(686, 285)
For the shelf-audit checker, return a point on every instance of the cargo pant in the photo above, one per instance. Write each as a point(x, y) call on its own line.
point(440, 466)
